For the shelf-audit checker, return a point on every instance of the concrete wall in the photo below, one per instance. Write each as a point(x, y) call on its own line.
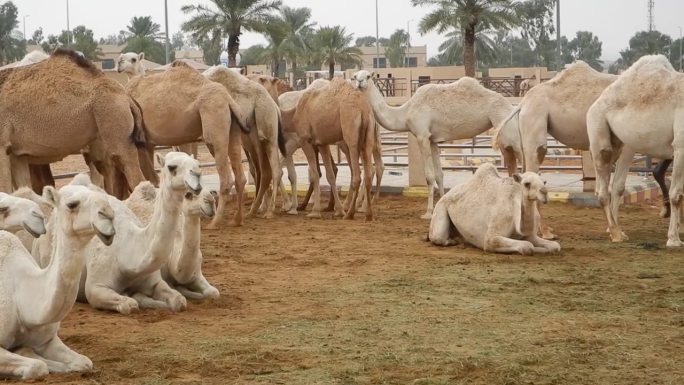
point(524, 72)
point(369, 53)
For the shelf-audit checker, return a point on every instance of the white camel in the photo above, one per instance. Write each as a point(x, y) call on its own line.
point(492, 213)
point(33, 301)
point(437, 113)
point(640, 112)
point(18, 214)
point(183, 271)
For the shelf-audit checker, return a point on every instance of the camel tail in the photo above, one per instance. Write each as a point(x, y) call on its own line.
point(237, 116)
point(495, 139)
point(138, 136)
point(281, 136)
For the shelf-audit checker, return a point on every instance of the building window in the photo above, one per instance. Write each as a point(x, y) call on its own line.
point(108, 64)
point(383, 62)
point(410, 62)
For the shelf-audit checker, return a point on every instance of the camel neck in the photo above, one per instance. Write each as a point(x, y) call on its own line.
point(189, 259)
point(391, 118)
point(162, 226)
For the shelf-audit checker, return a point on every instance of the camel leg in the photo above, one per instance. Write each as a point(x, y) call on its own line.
point(510, 160)
point(201, 287)
point(441, 228)
point(292, 177)
point(273, 156)
point(240, 181)
point(55, 350)
point(53, 366)
point(104, 298)
point(437, 164)
point(676, 192)
point(21, 173)
point(368, 181)
point(426, 152)
point(216, 134)
point(147, 302)
point(188, 148)
point(330, 176)
point(659, 175)
point(174, 300)
point(146, 157)
point(543, 246)
point(499, 244)
point(5, 176)
point(356, 179)
point(379, 167)
point(41, 176)
point(314, 179)
point(14, 365)
point(95, 176)
point(264, 180)
point(618, 184)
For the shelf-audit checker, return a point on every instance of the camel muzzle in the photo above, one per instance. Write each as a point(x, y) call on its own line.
point(193, 184)
point(36, 229)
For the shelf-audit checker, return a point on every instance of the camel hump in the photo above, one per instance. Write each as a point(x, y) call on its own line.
point(181, 64)
point(78, 59)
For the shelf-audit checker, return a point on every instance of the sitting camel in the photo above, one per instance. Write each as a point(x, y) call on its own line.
point(648, 94)
point(437, 113)
point(350, 120)
point(53, 87)
point(33, 301)
point(183, 270)
point(492, 213)
point(17, 213)
point(194, 107)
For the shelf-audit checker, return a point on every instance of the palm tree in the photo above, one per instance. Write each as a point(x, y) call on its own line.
point(228, 18)
point(396, 48)
point(485, 47)
point(296, 21)
point(275, 32)
point(467, 16)
point(332, 45)
point(143, 36)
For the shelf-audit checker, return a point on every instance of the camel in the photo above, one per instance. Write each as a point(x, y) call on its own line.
point(559, 108)
point(33, 301)
point(42, 124)
point(349, 119)
point(527, 84)
point(183, 271)
point(126, 276)
point(193, 107)
point(492, 213)
point(17, 213)
point(648, 94)
point(266, 136)
point(273, 85)
point(289, 101)
point(437, 113)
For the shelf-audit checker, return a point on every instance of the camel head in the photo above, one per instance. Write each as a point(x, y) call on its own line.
point(19, 213)
point(533, 187)
point(84, 212)
point(180, 171)
point(131, 63)
point(362, 79)
point(203, 204)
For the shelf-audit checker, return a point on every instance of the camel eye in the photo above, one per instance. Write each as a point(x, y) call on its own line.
point(73, 205)
point(189, 195)
point(527, 184)
point(172, 168)
point(368, 77)
point(4, 209)
point(134, 60)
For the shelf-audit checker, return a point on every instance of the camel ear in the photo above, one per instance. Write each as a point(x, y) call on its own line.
point(160, 159)
point(51, 195)
point(141, 56)
point(517, 178)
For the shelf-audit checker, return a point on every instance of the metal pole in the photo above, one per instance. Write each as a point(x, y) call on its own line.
point(166, 20)
point(377, 37)
point(68, 29)
point(558, 36)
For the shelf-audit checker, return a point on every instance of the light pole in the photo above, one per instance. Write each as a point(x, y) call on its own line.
point(166, 21)
point(408, 43)
point(377, 37)
point(25, 16)
point(558, 36)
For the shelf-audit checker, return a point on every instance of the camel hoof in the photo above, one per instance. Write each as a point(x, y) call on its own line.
point(527, 250)
point(548, 236)
point(349, 216)
point(339, 214)
point(34, 370)
point(617, 238)
point(674, 243)
point(316, 215)
point(293, 212)
point(178, 304)
point(269, 215)
point(426, 216)
point(84, 365)
point(128, 306)
point(211, 292)
point(665, 212)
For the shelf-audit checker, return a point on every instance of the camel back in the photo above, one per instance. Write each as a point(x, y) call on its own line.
point(577, 85)
point(78, 59)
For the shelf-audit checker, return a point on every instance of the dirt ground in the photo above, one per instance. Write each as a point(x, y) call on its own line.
point(330, 301)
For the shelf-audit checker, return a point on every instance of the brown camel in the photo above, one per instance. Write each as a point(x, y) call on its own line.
point(60, 106)
point(274, 86)
point(325, 116)
point(181, 106)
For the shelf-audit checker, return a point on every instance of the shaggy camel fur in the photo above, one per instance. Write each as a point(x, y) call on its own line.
point(193, 107)
point(559, 108)
point(289, 101)
point(127, 276)
point(492, 213)
point(42, 125)
point(261, 146)
point(437, 113)
point(348, 118)
point(183, 270)
point(649, 94)
point(33, 301)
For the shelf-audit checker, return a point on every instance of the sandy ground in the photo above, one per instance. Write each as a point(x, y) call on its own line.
point(330, 301)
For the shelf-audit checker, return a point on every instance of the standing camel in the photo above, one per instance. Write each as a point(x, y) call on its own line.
point(438, 113)
point(325, 116)
point(180, 106)
point(649, 94)
point(60, 106)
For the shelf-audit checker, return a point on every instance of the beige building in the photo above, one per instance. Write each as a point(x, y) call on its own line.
point(416, 57)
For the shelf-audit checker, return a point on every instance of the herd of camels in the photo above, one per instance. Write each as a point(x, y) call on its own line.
point(125, 236)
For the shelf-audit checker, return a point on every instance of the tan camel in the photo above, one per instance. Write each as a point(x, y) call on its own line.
point(348, 118)
point(181, 106)
point(648, 94)
point(58, 107)
point(274, 86)
point(437, 113)
point(266, 136)
point(527, 84)
point(492, 213)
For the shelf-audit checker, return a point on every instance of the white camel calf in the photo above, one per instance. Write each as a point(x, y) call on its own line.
point(493, 213)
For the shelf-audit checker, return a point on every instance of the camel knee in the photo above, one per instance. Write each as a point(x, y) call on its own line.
point(606, 156)
point(541, 153)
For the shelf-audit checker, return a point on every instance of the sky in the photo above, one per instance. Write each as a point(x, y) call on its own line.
point(613, 21)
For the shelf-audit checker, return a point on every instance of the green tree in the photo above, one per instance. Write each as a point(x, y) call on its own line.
point(588, 48)
point(228, 18)
point(275, 32)
point(178, 41)
point(677, 53)
point(143, 35)
point(298, 25)
point(365, 41)
point(467, 17)
point(396, 48)
point(538, 24)
point(332, 46)
point(51, 43)
point(82, 40)
point(642, 43)
point(485, 48)
point(252, 55)
point(37, 37)
point(12, 44)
